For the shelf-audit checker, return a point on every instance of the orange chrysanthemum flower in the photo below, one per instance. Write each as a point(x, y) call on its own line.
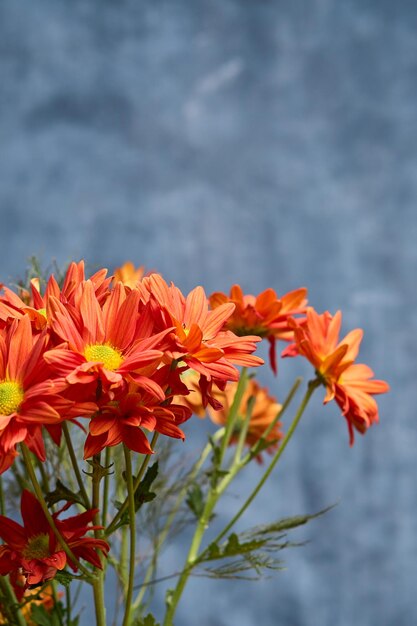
point(30, 598)
point(45, 598)
point(348, 383)
point(123, 419)
point(104, 343)
point(200, 339)
point(33, 550)
point(35, 305)
point(264, 412)
point(29, 398)
point(265, 315)
point(128, 274)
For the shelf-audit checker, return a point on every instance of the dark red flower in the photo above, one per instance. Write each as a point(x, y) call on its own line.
point(33, 549)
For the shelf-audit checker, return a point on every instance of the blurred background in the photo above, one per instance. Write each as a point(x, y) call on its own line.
point(269, 143)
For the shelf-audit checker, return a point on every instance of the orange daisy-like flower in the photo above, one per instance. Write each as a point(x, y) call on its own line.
point(31, 598)
point(200, 339)
point(103, 343)
point(33, 550)
point(128, 274)
point(264, 411)
point(123, 419)
point(45, 598)
point(35, 305)
point(349, 384)
point(29, 398)
point(265, 315)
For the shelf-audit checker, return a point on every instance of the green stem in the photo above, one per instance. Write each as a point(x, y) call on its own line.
point(106, 484)
point(310, 390)
point(214, 494)
point(244, 428)
point(132, 526)
point(113, 524)
point(50, 520)
point(68, 603)
point(12, 605)
point(98, 582)
point(123, 569)
point(57, 607)
point(164, 533)
point(74, 464)
point(21, 480)
point(202, 525)
point(233, 413)
point(44, 475)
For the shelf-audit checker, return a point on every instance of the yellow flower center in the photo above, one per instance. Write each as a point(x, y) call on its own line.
point(42, 312)
point(110, 357)
point(37, 547)
point(11, 397)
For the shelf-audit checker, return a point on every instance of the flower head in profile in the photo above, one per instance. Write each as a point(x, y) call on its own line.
point(34, 551)
point(200, 338)
point(264, 412)
point(265, 315)
point(128, 274)
point(36, 305)
point(350, 384)
point(125, 418)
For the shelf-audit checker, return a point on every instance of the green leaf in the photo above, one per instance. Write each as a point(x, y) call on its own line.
point(149, 620)
point(143, 493)
point(216, 452)
point(255, 549)
point(168, 597)
point(65, 578)
point(232, 547)
point(215, 475)
point(62, 492)
point(195, 500)
point(40, 616)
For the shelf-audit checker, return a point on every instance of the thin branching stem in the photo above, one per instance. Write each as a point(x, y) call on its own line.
point(180, 498)
point(106, 484)
point(98, 583)
point(310, 390)
point(74, 464)
point(113, 524)
point(244, 428)
point(193, 558)
point(233, 413)
point(132, 527)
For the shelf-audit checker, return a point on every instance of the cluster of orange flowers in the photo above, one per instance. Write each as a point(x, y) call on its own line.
point(131, 353)
point(101, 349)
point(115, 349)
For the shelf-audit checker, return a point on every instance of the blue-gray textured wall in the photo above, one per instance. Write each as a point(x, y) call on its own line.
point(271, 143)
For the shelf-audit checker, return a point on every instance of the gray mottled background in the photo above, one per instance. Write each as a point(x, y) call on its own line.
point(271, 143)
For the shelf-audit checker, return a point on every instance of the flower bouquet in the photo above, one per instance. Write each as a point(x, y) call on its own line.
point(97, 377)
